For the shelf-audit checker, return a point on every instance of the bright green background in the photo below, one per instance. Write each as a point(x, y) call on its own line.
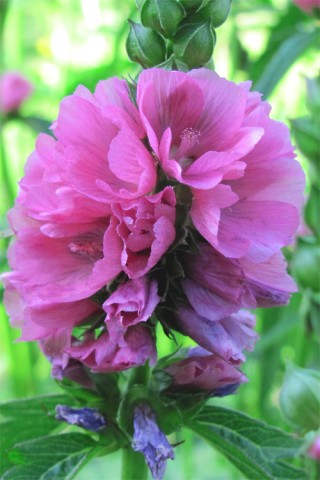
point(58, 44)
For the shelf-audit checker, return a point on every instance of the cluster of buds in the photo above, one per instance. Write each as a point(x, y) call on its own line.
point(177, 33)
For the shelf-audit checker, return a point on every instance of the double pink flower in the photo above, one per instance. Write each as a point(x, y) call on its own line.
point(96, 213)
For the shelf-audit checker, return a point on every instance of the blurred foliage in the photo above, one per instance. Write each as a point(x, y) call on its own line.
point(60, 44)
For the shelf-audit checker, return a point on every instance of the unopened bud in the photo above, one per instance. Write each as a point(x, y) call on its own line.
point(145, 46)
point(194, 4)
point(217, 11)
point(300, 398)
point(194, 44)
point(163, 16)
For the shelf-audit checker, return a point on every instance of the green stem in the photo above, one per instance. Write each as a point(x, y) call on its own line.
point(134, 466)
point(139, 375)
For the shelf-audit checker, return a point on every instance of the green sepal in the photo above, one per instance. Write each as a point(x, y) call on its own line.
point(169, 418)
point(145, 46)
point(164, 16)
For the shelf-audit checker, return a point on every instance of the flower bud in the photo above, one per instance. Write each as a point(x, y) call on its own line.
point(300, 398)
point(151, 441)
point(163, 16)
point(145, 46)
point(194, 4)
point(88, 418)
point(202, 371)
point(194, 44)
point(217, 11)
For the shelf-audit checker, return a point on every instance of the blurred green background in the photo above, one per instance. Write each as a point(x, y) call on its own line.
point(59, 44)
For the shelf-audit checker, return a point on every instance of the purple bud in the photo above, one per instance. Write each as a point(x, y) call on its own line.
point(151, 441)
point(202, 371)
point(88, 418)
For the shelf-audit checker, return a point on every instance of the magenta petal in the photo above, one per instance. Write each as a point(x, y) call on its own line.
point(203, 371)
point(134, 301)
point(206, 212)
point(114, 99)
point(131, 162)
point(227, 338)
point(208, 304)
point(269, 281)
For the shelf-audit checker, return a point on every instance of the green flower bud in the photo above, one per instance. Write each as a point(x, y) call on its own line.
point(194, 44)
point(300, 398)
point(145, 46)
point(305, 265)
point(218, 11)
point(194, 4)
point(163, 16)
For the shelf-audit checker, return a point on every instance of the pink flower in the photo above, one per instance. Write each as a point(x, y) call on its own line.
point(203, 371)
point(307, 5)
point(64, 268)
point(117, 350)
point(217, 138)
point(146, 228)
point(227, 337)
point(14, 90)
point(217, 286)
point(39, 321)
point(114, 201)
point(105, 128)
point(133, 302)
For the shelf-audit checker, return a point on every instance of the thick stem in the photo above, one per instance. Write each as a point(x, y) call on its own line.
point(139, 375)
point(134, 466)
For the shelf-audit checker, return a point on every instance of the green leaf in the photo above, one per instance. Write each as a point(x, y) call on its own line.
point(252, 446)
point(57, 456)
point(282, 60)
point(38, 124)
point(27, 419)
point(306, 134)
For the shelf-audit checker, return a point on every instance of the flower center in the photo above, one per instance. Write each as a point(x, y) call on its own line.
point(88, 248)
point(190, 136)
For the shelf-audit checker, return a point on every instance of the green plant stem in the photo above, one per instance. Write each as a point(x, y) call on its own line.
point(134, 466)
point(139, 375)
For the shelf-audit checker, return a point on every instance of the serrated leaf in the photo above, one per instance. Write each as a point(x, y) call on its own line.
point(57, 456)
point(23, 420)
point(252, 446)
